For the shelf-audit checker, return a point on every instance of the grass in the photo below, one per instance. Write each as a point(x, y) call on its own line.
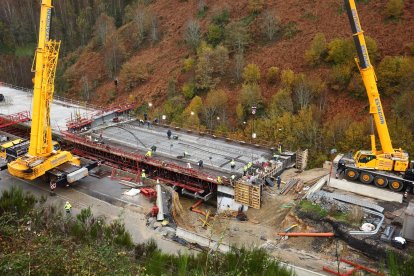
point(310, 207)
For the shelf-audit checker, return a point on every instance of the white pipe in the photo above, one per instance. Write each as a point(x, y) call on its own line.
point(160, 215)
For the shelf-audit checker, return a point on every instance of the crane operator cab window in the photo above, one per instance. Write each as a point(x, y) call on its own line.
point(56, 146)
point(363, 158)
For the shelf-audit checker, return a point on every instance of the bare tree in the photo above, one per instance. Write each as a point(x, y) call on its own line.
point(104, 28)
point(270, 26)
point(192, 34)
point(303, 94)
point(86, 93)
point(239, 65)
point(154, 29)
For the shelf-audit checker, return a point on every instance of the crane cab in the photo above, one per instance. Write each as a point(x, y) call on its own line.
point(386, 162)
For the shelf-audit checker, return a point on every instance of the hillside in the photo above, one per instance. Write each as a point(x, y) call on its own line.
point(155, 49)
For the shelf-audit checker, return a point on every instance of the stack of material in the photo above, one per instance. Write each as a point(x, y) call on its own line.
point(301, 159)
point(247, 194)
point(289, 185)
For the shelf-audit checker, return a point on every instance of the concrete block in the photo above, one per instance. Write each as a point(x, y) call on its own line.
point(366, 190)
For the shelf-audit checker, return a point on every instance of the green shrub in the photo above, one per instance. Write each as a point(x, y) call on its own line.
point(340, 76)
point(272, 75)
point(396, 74)
point(290, 30)
point(356, 86)
point(394, 9)
point(317, 50)
point(215, 34)
point(188, 64)
point(341, 51)
point(16, 201)
point(251, 74)
point(287, 78)
point(188, 90)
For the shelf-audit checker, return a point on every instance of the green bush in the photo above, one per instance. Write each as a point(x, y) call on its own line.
point(188, 90)
point(272, 75)
point(251, 74)
point(394, 9)
point(317, 50)
point(16, 201)
point(340, 77)
point(396, 74)
point(290, 30)
point(188, 64)
point(356, 86)
point(215, 34)
point(341, 51)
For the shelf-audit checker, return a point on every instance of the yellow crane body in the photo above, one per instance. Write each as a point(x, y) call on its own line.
point(41, 156)
point(388, 158)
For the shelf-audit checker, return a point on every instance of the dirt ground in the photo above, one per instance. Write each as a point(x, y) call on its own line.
point(275, 215)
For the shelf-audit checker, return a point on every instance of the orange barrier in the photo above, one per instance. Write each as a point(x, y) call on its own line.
point(328, 234)
point(195, 205)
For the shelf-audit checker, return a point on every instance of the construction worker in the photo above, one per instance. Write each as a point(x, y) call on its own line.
point(200, 164)
point(341, 168)
point(232, 178)
point(148, 154)
point(249, 165)
point(169, 134)
point(278, 181)
point(153, 148)
point(68, 207)
point(232, 164)
point(245, 170)
point(143, 176)
point(219, 180)
point(154, 210)
point(279, 147)
point(275, 156)
point(185, 154)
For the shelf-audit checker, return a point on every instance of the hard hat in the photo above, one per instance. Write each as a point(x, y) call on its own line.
point(67, 202)
point(143, 170)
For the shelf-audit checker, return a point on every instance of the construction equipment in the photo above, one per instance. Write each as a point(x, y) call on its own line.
point(42, 159)
point(388, 166)
point(6, 145)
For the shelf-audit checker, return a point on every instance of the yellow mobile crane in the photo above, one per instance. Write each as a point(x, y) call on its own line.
point(387, 166)
point(43, 157)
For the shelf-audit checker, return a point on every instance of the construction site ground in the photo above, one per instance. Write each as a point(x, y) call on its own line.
point(275, 215)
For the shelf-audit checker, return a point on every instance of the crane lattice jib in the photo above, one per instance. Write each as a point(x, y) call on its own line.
point(369, 78)
point(46, 58)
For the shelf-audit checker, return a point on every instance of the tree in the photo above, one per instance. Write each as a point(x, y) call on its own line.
point(396, 74)
point(238, 65)
point(340, 76)
point(251, 74)
point(204, 68)
point(215, 34)
point(306, 90)
point(86, 91)
point(394, 9)
point(317, 50)
point(192, 111)
point(236, 36)
point(133, 74)
point(250, 95)
point(220, 59)
point(188, 90)
point(281, 103)
point(84, 22)
point(192, 34)
point(270, 26)
point(214, 106)
point(104, 28)
point(272, 75)
point(114, 54)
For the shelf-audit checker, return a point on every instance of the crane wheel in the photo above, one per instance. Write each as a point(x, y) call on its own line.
point(366, 178)
point(381, 181)
point(351, 174)
point(396, 185)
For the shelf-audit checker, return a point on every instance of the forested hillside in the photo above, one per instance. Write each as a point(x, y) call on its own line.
point(204, 64)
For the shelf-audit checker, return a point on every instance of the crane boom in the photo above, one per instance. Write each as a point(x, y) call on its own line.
point(46, 61)
point(370, 80)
